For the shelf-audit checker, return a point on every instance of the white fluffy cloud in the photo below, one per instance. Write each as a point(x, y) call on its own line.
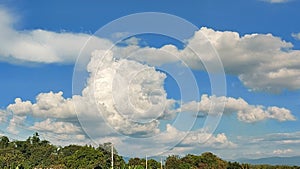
point(262, 62)
point(282, 138)
point(47, 105)
point(15, 124)
point(20, 107)
point(3, 116)
point(49, 125)
point(202, 139)
point(194, 141)
point(42, 46)
point(128, 93)
point(296, 36)
point(136, 89)
point(282, 151)
point(245, 112)
point(65, 139)
point(197, 140)
point(286, 144)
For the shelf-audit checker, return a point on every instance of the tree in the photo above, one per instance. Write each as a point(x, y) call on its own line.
point(212, 161)
point(34, 153)
point(135, 162)
point(69, 150)
point(193, 160)
point(4, 142)
point(107, 147)
point(173, 162)
point(234, 165)
point(245, 166)
point(86, 157)
point(10, 158)
point(42, 155)
point(35, 139)
point(152, 164)
point(23, 147)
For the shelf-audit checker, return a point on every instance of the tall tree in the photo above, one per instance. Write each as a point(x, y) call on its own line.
point(4, 142)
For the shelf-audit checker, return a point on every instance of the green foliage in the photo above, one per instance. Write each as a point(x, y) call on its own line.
point(234, 165)
point(152, 164)
point(85, 157)
point(4, 142)
point(134, 162)
point(206, 160)
point(173, 162)
point(10, 158)
point(36, 153)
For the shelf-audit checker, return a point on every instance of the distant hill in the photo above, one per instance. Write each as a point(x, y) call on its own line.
point(291, 161)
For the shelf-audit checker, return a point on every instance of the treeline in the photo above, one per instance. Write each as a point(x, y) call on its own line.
point(210, 161)
point(37, 153)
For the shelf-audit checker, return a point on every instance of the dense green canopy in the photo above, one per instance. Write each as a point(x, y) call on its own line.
point(36, 153)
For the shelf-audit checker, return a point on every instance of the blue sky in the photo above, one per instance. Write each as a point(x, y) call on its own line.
point(257, 41)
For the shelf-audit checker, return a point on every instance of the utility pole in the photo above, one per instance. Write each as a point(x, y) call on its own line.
point(146, 162)
point(112, 156)
point(161, 165)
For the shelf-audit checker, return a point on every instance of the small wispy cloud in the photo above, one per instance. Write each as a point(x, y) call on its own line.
point(277, 1)
point(296, 36)
point(281, 152)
